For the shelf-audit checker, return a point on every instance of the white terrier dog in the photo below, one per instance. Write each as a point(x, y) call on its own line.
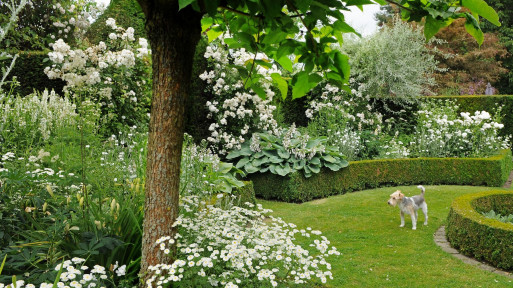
point(410, 205)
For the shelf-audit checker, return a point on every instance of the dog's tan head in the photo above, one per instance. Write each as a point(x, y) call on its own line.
point(395, 198)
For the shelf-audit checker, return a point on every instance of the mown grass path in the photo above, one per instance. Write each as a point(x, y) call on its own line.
point(376, 252)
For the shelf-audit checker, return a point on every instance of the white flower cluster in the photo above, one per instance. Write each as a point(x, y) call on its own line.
point(342, 118)
point(441, 133)
point(83, 67)
point(236, 112)
point(76, 20)
point(75, 275)
point(237, 248)
point(36, 115)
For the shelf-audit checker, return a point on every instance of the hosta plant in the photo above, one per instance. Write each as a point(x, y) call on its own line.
point(287, 153)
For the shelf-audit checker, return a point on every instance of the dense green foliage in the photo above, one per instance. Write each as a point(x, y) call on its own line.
point(292, 152)
point(478, 236)
point(503, 218)
point(127, 13)
point(492, 171)
point(505, 31)
point(28, 70)
point(196, 120)
point(34, 27)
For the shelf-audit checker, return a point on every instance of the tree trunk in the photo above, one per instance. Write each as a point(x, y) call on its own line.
point(173, 37)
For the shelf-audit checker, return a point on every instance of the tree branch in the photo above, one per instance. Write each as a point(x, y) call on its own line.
point(241, 13)
point(399, 5)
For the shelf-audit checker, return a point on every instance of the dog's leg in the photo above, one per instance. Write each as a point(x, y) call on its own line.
point(402, 219)
point(413, 218)
point(425, 211)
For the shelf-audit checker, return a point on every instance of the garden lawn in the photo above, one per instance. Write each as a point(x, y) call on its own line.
point(375, 251)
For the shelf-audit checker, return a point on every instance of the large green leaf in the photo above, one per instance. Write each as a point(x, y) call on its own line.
point(283, 153)
point(482, 9)
point(314, 168)
point(213, 33)
point(184, 3)
point(242, 162)
point(281, 171)
point(244, 151)
point(225, 167)
point(282, 84)
point(285, 62)
point(343, 27)
point(329, 158)
point(303, 84)
point(341, 63)
point(432, 26)
point(250, 168)
point(472, 27)
point(332, 166)
point(315, 161)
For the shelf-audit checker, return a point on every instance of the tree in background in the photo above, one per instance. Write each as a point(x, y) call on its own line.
point(127, 13)
point(37, 23)
point(505, 33)
point(468, 67)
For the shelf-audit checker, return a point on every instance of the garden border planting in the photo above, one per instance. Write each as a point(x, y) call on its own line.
point(473, 103)
point(476, 235)
point(359, 175)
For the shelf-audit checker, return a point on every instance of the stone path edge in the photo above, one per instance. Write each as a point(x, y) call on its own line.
point(441, 240)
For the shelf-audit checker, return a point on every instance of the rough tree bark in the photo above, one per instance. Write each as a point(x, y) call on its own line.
point(173, 36)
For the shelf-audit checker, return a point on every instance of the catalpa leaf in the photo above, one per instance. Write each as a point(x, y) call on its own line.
point(482, 9)
point(184, 3)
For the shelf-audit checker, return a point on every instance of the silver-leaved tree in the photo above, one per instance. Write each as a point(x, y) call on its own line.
point(288, 32)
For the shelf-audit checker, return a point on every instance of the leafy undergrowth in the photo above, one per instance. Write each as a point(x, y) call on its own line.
point(376, 252)
point(503, 218)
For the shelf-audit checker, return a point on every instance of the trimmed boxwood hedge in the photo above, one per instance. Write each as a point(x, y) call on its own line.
point(478, 236)
point(245, 194)
point(491, 171)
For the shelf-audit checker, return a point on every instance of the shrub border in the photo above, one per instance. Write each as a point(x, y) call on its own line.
point(476, 235)
point(490, 171)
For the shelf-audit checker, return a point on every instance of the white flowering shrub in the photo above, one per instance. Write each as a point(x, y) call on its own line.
point(74, 274)
point(343, 119)
point(239, 247)
point(39, 117)
point(236, 112)
point(441, 132)
point(114, 73)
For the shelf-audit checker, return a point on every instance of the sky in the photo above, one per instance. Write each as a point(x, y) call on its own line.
point(363, 22)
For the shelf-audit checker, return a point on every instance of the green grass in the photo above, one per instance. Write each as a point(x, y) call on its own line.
point(376, 252)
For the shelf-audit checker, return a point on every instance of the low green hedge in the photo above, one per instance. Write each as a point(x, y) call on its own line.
point(245, 194)
point(491, 171)
point(478, 236)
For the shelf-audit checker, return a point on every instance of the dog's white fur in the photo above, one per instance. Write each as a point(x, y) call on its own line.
point(410, 205)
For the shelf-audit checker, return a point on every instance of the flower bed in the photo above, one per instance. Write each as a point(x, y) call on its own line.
point(490, 171)
point(478, 236)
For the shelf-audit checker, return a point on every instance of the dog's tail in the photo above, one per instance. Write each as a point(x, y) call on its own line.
point(422, 189)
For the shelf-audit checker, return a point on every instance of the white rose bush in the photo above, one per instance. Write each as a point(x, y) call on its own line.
point(237, 113)
point(112, 73)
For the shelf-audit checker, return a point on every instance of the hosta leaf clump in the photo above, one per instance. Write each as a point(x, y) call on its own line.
point(287, 153)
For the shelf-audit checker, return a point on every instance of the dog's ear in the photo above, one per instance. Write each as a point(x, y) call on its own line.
point(401, 195)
